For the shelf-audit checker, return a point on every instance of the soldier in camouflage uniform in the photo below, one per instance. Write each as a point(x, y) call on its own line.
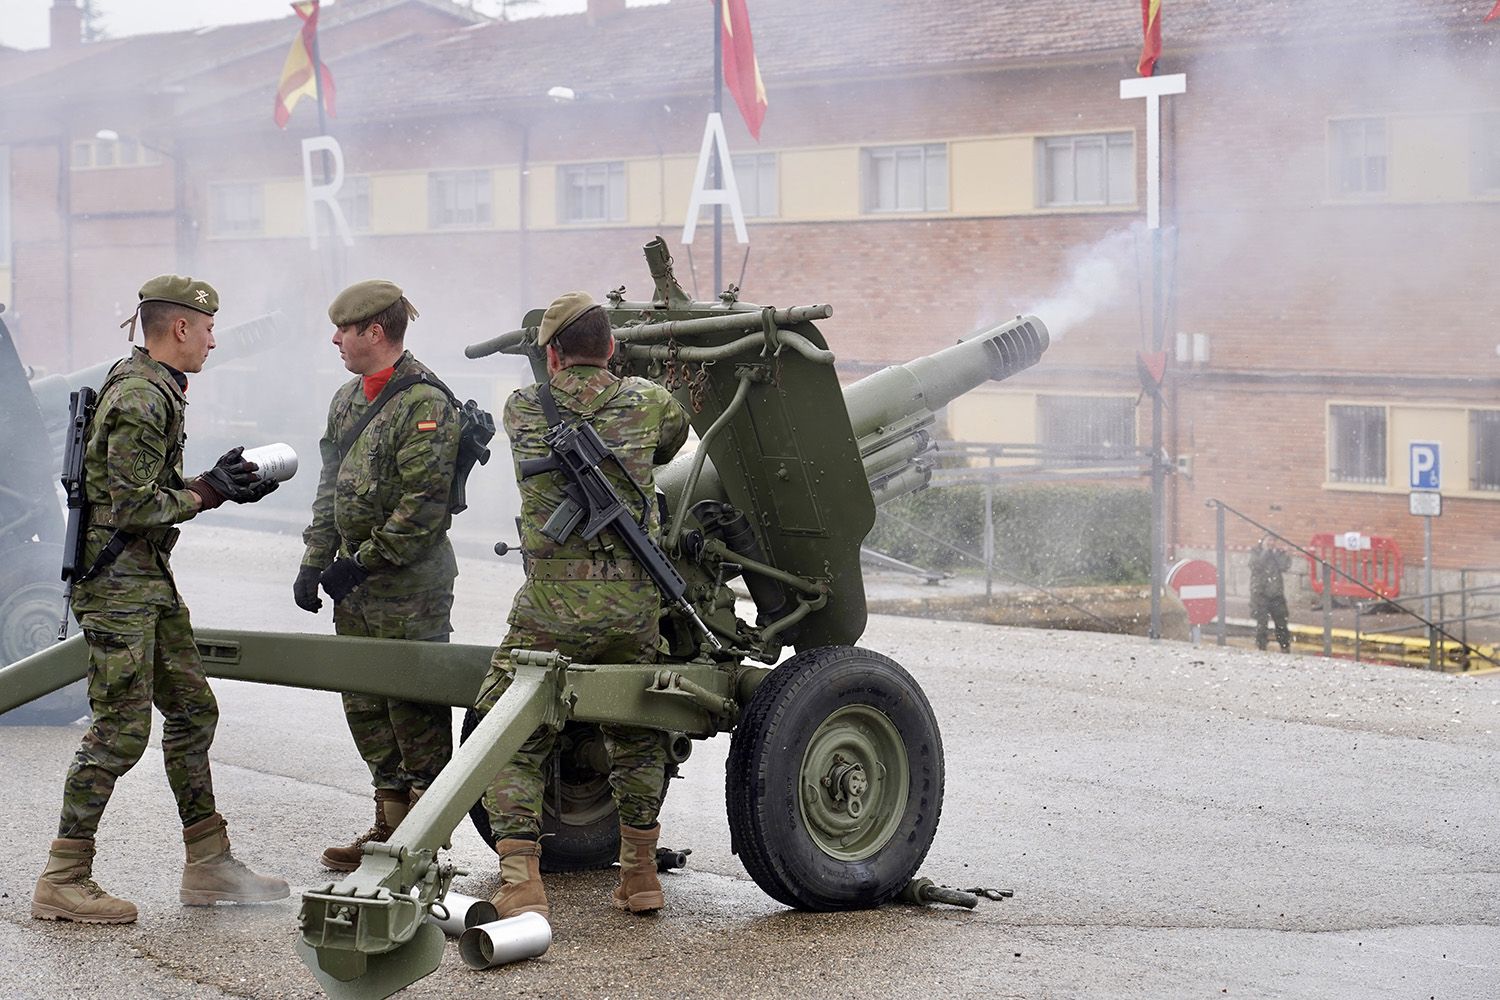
point(141, 648)
point(1268, 592)
point(378, 541)
point(587, 599)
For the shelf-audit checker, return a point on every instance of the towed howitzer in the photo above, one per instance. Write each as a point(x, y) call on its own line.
point(835, 763)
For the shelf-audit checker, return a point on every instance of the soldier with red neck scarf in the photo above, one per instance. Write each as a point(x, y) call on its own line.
point(378, 542)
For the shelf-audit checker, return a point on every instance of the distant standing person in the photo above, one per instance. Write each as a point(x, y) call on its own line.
point(140, 640)
point(378, 541)
point(1268, 592)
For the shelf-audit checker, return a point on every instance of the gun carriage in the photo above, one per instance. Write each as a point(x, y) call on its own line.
point(834, 780)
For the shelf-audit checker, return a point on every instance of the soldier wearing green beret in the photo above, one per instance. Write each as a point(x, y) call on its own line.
point(378, 541)
point(140, 640)
point(587, 599)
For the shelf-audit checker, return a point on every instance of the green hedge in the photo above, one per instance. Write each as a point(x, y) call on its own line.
point(1044, 533)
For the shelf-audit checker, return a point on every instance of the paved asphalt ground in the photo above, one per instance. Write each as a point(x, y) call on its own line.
point(1175, 822)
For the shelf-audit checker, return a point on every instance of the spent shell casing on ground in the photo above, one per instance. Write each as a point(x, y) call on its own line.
point(460, 912)
point(277, 462)
point(527, 935)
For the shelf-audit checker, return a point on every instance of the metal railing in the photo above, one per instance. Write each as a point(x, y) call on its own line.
point(1436, 629)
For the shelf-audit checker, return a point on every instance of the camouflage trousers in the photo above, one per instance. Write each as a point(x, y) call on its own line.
point(1272, 606)
point(404, 743)
point(637, 757)
point(139, 656)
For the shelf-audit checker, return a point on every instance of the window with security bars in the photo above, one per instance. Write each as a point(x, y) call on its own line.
point(1484, 435)
point(459, 198)
point(1086, 169)
point(591, 192)
point(755, 174)
point(1356, 444)
point(1357, 156)
point(236, 209)
point(1485, 146)
point(354, 200)
point(905, 178)
point(1087, 423)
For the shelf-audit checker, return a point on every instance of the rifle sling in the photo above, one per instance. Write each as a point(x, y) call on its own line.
point(554, 417)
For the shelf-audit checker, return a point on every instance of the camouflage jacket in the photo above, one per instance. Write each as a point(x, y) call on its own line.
point(386, 502)
point(1266, 568)
point(596, 586)
point(132, 470)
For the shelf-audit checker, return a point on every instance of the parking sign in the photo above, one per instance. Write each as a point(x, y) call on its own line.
point(1426, 466)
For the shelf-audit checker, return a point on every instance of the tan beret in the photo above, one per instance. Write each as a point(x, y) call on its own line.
point(362, 300)
point(182, 291)
point(563, 310)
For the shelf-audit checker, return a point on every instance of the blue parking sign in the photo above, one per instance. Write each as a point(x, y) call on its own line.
point(1426, 465)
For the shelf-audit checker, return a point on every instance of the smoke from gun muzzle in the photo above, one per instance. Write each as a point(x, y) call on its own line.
point(1016, 347)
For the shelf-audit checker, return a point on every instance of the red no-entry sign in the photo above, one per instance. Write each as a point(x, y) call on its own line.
point(1197, 583)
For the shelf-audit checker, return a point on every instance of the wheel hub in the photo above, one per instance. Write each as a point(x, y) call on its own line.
point(28, 621)
point(855, 786)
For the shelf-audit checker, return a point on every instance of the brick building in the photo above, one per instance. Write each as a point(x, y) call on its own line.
point(1332, 185)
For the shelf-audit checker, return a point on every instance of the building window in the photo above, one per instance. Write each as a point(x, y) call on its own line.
point(459, 198)
point(905, 178)
point(354, 201)
point(1356, 444)
point(1485, 172)
point(95, 154)
point(1087, 423)
point(1484, 433)
point(591, 192)
point(1087, 169)
point(755, 173)
point(236, 209)
point(1357, 156)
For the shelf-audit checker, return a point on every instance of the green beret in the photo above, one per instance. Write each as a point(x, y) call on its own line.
point(183, 291)
point(362, 300)
point(563, 310)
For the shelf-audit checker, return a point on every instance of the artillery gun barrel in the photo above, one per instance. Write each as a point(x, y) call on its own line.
point(230, 344)
point(891, 397)
point(889, 410)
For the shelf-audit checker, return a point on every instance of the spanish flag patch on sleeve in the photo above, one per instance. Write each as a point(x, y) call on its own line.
point(426, 425)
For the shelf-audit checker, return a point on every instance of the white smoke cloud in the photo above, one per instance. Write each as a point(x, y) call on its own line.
point(1098, 276)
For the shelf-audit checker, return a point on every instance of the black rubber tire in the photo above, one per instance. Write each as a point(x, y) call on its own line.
point(764, 782)
point(31, 604)
point(588, 836)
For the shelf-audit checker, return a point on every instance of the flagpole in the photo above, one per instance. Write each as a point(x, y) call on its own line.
point(317, 72)
point(718, 167)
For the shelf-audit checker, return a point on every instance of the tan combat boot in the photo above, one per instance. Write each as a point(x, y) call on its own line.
point(390, 809)
point(213, 875)
point(521, 889)
point(67, 891)
point(639, 890)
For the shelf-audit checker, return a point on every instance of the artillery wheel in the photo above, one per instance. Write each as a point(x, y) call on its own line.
point(31, 604)
point(587, 835)
point(834, 781)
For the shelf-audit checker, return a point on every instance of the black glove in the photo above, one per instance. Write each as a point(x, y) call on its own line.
point(232, 478)
point(305, 589)
point(342, 578)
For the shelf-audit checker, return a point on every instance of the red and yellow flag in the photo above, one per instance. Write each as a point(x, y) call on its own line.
point(1494, 13)
point(297, 79)
point(741, 72)
point(1151, 47)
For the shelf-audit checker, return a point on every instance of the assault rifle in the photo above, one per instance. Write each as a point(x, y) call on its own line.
point(578, 452)
point(80, 412)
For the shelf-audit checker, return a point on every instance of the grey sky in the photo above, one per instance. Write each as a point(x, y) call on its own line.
point(23, 23)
